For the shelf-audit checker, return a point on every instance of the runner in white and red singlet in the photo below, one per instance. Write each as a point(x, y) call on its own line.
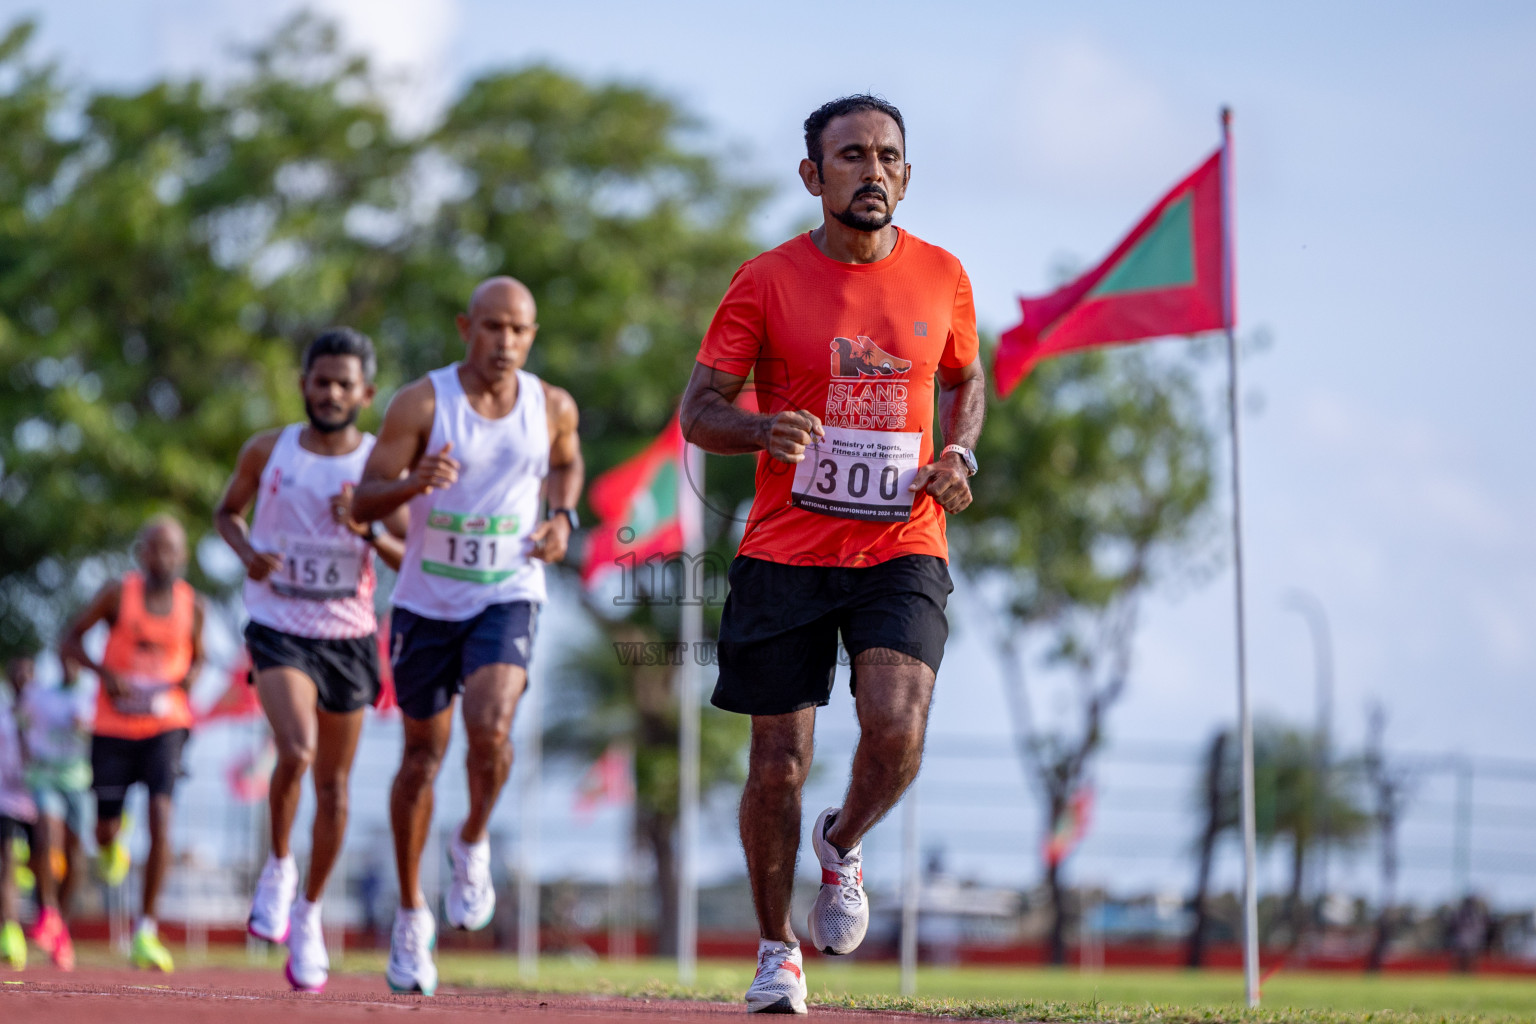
point(313, 634)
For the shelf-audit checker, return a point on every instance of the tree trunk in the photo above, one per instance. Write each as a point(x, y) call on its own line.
point(1057, 942)
point(1195, 955)
point(1378, 951)
point(1388, 824)
point(658, 832)
point(1297, 912)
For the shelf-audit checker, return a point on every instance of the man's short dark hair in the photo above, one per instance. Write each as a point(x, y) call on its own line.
point(343, 341)
point(823, 115)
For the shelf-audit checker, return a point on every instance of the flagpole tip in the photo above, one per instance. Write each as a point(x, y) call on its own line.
point(1226, 116)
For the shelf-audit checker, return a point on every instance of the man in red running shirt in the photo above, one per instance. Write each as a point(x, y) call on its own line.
point(844, 330)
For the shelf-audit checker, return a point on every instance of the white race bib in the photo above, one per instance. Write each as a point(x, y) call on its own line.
point(474, 548)
point(145, 696)
point(317, 569)
point(859, 474)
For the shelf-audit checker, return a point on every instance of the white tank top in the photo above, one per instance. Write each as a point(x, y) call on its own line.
point(325, 588)
point(468, 547)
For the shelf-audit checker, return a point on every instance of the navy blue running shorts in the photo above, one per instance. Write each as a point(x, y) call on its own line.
point(431, 658)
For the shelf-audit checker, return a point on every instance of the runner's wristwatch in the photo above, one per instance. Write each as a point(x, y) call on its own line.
point(966, 456)
point(376, 532)
point(570, 517)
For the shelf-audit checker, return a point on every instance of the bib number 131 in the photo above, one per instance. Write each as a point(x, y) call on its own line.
point(859, 474)
point(473, 548)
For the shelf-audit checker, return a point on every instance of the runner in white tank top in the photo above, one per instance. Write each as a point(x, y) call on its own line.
point(313, 634)
point(470, 545)
point(470, 449)
point(324, 589)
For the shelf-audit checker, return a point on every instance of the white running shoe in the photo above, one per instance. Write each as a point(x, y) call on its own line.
point(471, 898)
point(411, 968)
point(309, 965)
point(275, 890)
point(780, 983)
point(840, 916)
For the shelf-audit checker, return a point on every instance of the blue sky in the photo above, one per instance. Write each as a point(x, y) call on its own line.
point(1385, 206)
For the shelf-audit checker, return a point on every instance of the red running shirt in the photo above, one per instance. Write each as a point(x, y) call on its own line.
point(858, 345)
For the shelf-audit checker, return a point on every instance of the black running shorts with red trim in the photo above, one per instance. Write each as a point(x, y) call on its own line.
point(780, 627)
point(345, 671)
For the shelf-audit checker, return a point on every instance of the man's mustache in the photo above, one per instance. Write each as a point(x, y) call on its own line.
point(871, 190)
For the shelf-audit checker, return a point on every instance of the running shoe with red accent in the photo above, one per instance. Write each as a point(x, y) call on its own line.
point(840, 916)
point(51, 935)
point(779, 986)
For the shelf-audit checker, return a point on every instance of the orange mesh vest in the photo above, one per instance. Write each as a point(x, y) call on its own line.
point(151, 654)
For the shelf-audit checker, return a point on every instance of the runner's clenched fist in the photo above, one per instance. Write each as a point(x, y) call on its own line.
point(790, 431)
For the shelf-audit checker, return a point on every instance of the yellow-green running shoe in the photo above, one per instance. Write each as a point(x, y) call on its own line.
point(113, 860)
point(149, 952)
point(13, 946)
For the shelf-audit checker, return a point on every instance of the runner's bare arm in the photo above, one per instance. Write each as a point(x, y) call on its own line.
point(103, 608)
point(567, 472)
point(195, 669)
point(962, 407)
point(712, 420)
point(389, 545)
point(399, 468)
point(229, 517)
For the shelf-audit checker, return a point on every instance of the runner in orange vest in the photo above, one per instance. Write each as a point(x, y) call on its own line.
point(154, 652)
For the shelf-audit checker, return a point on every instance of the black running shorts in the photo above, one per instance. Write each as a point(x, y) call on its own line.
point(780, 627)
point(118, 763)
point(345, 672)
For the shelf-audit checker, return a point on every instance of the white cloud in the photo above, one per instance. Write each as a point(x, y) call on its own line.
point(410, 40)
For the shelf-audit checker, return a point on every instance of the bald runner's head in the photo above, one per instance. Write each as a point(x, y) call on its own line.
point(161, 550)
point(498, 327)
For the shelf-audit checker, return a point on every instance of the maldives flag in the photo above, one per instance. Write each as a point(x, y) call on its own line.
point(1170, 275)
point(638, 507)
point(608, 780)
point(1070, 827)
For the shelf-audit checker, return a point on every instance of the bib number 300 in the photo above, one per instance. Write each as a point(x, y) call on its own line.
point(473, 548)
point(859, 474)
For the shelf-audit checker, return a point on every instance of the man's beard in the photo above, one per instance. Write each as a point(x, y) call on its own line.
point(868, 220)
point(331, 427)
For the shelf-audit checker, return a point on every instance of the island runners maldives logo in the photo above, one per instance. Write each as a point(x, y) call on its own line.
point(861, 357)
point(868, 389)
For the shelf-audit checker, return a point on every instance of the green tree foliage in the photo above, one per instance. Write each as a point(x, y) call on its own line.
point(1095, 483)
point(162, 254)
point(165, 253)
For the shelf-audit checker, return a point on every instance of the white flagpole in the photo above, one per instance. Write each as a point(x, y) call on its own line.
point(691, 633)
point(909, 892)
point(1244, 707)
point(528, 853)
